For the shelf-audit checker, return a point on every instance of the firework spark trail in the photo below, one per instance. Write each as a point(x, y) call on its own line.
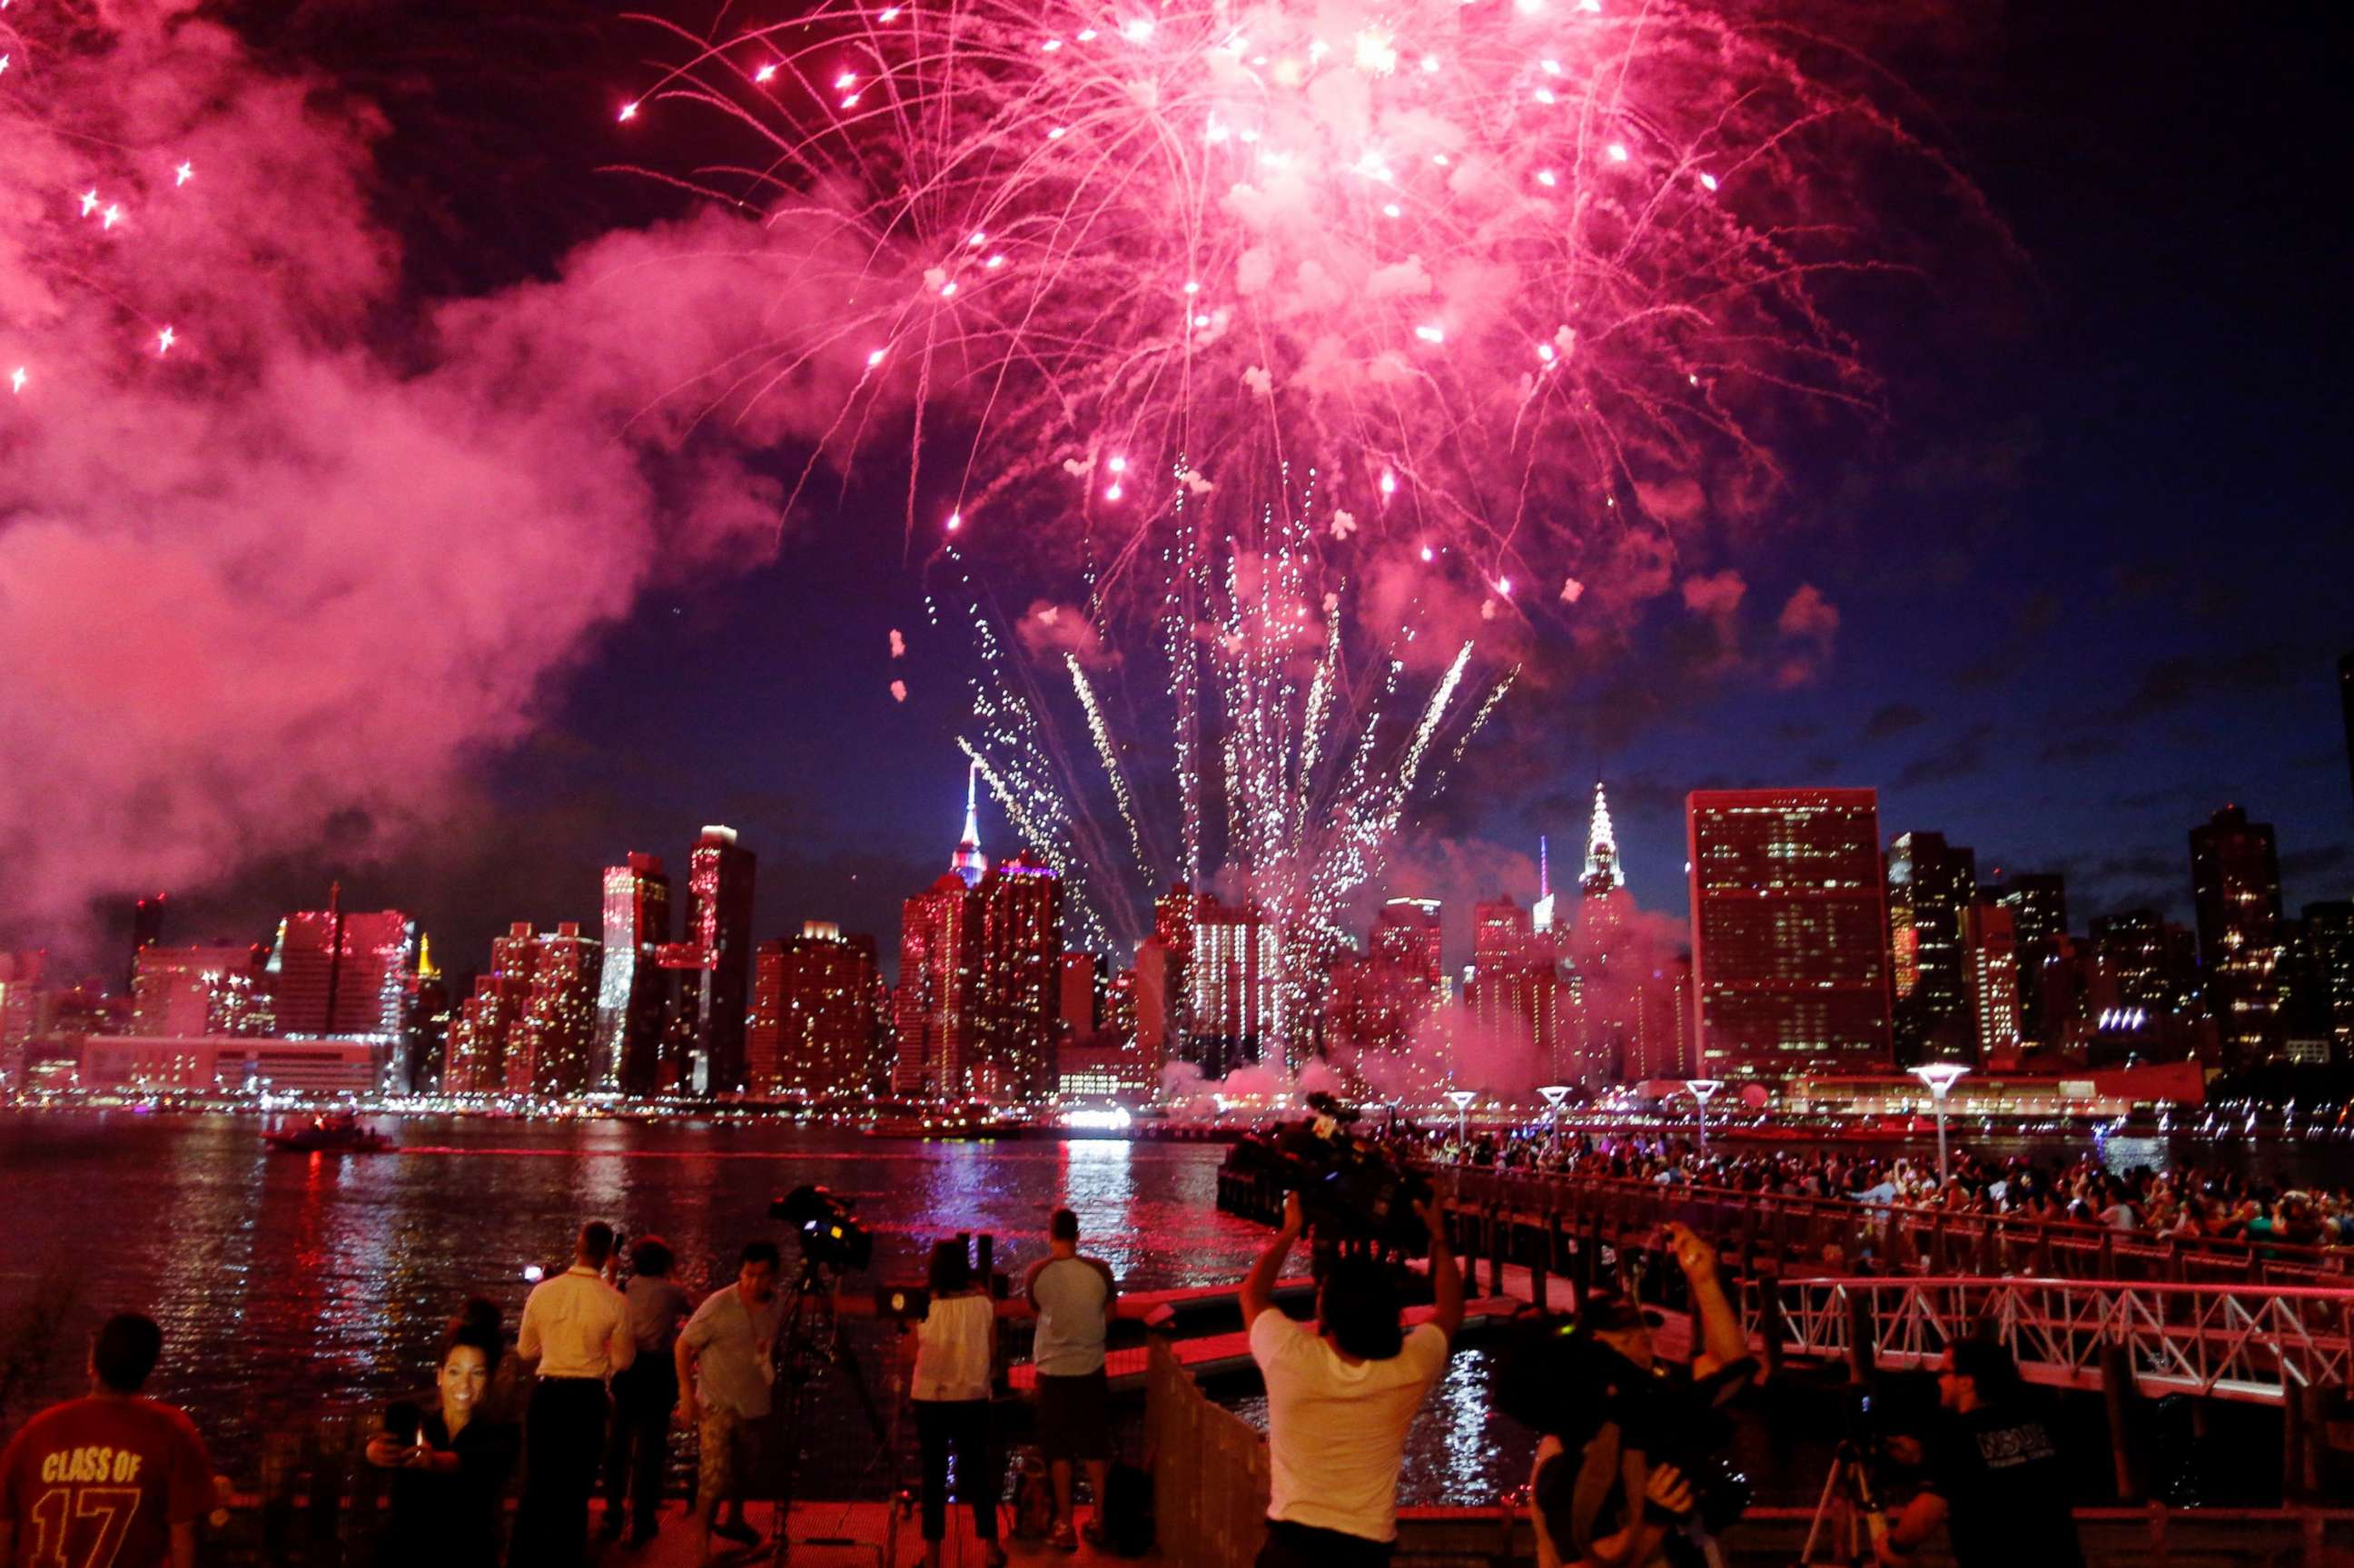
point(1107, 752)
point(1502, 267)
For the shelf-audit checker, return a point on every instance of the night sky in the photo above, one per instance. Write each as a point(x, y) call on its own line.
point(2092, 575)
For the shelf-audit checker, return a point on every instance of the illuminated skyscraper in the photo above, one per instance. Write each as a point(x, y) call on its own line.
point(1931, 887)
point(2327, 983)
point(1019, 980)
point(1078, 983)
point(1990, 938)
point(1540, 913)
point(1512, 989)
point(630, 994)
point(1611, 979)
point(716, 956)
point(817, 1025)
point(2235, 891)
point(552, 1047)
point(968, 863)
point(1407, 931)
point(2038, 903)
point(1789, 932)
point(476, 1059)
point(334, 972)
point(183, 992)
point(1231, 987)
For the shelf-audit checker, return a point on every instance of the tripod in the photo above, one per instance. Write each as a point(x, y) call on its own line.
point(1848, 1518)
point(809, 1342)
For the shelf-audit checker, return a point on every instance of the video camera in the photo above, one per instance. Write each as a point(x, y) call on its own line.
point(1350, 1188)
point(829, 1235)
point(1557, 1379)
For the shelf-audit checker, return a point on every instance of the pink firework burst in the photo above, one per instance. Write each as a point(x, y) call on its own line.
point(1499, 268)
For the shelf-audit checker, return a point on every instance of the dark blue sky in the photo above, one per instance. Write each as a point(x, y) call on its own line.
point(2092, 576)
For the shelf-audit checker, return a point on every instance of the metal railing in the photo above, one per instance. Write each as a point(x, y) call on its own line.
point(1842, 1236)
point(2264, 1344)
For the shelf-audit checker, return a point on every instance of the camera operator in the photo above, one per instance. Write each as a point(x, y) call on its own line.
point(1340, 1394)
point(1596, 1498)
point(1994, 1479)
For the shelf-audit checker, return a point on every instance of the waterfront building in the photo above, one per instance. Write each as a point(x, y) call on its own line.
point(474, 1061)
point(227, 1065)
point(183, 992)
point(2038, 902)
point(1789, 932)
point(1512, 989)
point(1991, 939)
point(816, 1029)
point(1232, 980)
point(551, 1044)
point(633, 987)
point(1079, 984)
point(715, 958)
point(1931, 887)
point(1407, 931)
point(1019, 979)
point(430, 1013)
point(2235, 892)
point(934, 1008)
point(1612, 974)
point(2327, 978)
point(344, 974)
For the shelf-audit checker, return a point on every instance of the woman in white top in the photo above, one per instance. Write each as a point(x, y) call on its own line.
point(954, 1345)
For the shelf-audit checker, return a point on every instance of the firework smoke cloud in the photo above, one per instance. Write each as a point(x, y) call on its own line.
point(264, 562)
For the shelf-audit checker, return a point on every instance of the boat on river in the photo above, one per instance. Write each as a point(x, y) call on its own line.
point(339, 1133)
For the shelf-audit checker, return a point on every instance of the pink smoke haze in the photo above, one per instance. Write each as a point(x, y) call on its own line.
point(284, 573)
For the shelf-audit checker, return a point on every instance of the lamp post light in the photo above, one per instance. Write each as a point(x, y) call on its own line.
point(1940, 1076)
point(1462, 1099)
point(1701, 1088)
point(1553, 1094)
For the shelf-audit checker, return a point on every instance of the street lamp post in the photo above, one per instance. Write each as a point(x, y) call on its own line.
point(1462, 1099)
point(1940, 1076)
point(1553, 1094)
point(1701, 1088)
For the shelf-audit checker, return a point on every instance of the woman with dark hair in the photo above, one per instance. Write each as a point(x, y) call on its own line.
point(954, 1346)
point(450, 1462)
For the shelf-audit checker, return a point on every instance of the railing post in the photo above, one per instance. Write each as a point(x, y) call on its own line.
point(2116, 1399)
point(1861, 1336)
point(1498, 1238)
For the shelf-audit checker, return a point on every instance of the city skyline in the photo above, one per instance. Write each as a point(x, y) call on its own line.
point(2076, 592)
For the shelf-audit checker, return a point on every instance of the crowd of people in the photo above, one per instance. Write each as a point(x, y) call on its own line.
point(606, 1360)
point(601, 1366)
point(2153, 1202)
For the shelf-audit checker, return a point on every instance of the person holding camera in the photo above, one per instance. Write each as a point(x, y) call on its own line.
point(956, 1348)
point(725, 1363)
point(1341, 1392)
point(1597, 1497)
point(1994, 1479)
point(450, 1460)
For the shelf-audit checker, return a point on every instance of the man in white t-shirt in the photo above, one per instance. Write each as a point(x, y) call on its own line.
point(1341, 1392)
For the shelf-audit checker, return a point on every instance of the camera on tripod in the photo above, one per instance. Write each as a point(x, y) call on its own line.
point(1350, 1189)
point(830, 1235)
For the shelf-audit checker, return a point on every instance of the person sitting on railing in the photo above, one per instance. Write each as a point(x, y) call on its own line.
point(450, 1460)
point(1994, 1479)
point(1341, 1392)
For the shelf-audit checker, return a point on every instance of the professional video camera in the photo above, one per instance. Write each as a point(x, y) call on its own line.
point(829, 1235)
point(1350, 1188)
point(1557, 1379)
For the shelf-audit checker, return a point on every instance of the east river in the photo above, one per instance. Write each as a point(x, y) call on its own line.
point(289, 1285)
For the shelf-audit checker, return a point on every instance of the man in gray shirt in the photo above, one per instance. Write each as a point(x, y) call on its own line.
point(644, 1394)
point(1074, 1298)
point(724, 1361)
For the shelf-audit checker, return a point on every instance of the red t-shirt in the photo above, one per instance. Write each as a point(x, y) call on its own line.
point(98, 1482)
